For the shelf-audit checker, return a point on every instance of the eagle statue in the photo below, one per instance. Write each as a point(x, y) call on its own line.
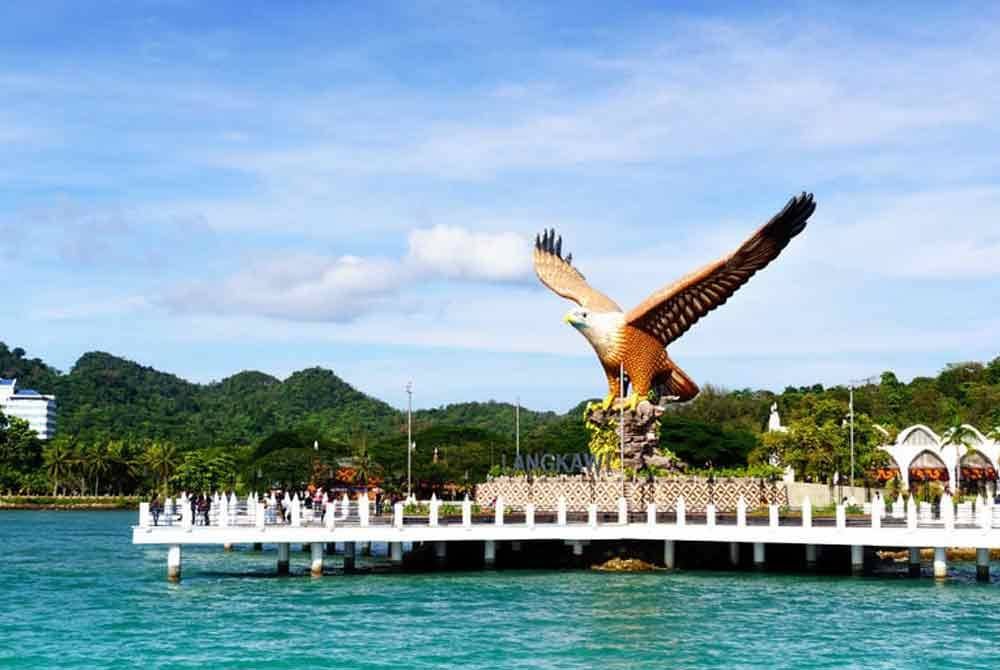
point(637, 340)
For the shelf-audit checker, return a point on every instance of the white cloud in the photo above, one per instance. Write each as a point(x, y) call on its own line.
point(299, 287)
point(339, 289)
point(453, 252)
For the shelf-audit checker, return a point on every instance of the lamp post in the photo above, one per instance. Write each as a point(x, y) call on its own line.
point(409, 439)
point(850, 407)
point(621, 420)
point(517, 427)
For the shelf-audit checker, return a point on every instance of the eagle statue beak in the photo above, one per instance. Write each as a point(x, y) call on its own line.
point(568, 319)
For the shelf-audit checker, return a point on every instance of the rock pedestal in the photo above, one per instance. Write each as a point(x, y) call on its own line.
point(642, 434)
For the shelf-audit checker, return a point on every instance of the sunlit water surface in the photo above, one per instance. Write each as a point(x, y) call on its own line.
point(77, 594)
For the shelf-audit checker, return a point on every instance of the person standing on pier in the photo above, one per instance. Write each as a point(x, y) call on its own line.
point(155, 508)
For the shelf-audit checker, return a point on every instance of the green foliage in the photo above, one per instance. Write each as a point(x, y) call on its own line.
point(126, 428)
point(604, 442)
point(697, 442)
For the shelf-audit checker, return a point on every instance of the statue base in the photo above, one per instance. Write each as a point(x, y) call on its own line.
point(642, 435)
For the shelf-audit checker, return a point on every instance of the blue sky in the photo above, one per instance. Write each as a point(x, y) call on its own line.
point(212, 187)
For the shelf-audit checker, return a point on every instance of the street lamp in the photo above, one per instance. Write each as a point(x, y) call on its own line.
point(409, 440)
point(517, 428)
point(621, 420)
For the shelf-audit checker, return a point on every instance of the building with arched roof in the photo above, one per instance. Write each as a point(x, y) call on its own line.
point(919, 455)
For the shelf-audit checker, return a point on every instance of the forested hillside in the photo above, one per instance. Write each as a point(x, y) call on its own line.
point(132, 426)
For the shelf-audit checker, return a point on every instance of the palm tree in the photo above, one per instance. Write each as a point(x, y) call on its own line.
point(960, 436)
point(163, 459)
point(58, 459)
point(97, 461)
point(122, 464)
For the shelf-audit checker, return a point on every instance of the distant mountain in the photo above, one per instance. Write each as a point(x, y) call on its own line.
point(107, 397)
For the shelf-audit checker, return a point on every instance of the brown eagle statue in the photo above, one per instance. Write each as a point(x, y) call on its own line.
point(637, 340)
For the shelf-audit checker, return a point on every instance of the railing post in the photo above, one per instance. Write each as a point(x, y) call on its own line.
point(529, 515)
point(561, 511)
point(772, 516)
point(911, 513)
point(592, 515)
point(259, 516)
point(876, 516)
point(345, 506)
point(807, 513)
point(363, 510)
point(432, 516)
point(144, 515)
point(467, 513)
point(296, 510)
point(841, 516)
point(622, 511)
point(741, 512)
point(710, 515)
point(397, 515)
point(651, 514)
point(330, 515)
point(947, 512)
point(187, 518)
point(223, 518)
point(498, 513)
point(681, 511)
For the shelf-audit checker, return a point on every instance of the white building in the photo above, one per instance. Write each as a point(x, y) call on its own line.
point(774, 426)
point(919, 454)
point(37, 409)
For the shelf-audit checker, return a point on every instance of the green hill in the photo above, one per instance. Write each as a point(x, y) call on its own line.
point(150, 421)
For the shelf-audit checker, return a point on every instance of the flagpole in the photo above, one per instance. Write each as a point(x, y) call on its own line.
point(517, 427)
point(621, 420)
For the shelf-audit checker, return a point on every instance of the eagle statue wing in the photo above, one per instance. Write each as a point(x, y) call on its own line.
point(559, 275)
point(671, 311)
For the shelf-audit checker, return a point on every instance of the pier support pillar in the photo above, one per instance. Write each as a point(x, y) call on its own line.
point(810, 557)
point(174, 563)
point(349, 556)
point(914, 567)
point(669, 558)
point(758, 556)
point(734, 554)
point(257, 546)
point(577, 548)
point(331, 548)
point(316, 565)
point(396, 553)
point(983, 564)
point(515, 546)
point(490, 553)
point(940, 563)
point(857, 559)
point(283, 557)
point(228, 546)
point(440, 553)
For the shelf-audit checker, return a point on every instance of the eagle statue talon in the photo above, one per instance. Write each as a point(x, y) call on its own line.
point(608, 401)
point(632, 402)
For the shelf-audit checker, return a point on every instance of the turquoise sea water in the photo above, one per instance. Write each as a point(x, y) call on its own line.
point(77, 594)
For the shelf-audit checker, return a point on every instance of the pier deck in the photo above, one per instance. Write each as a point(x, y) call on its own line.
point(352, 522)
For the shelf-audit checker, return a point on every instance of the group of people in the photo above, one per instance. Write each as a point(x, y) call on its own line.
point(201, 506)
point(279, 512)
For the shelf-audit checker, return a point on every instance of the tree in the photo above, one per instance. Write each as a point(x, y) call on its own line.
point(58, 458)
point(163, 459)
point(97, 462)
